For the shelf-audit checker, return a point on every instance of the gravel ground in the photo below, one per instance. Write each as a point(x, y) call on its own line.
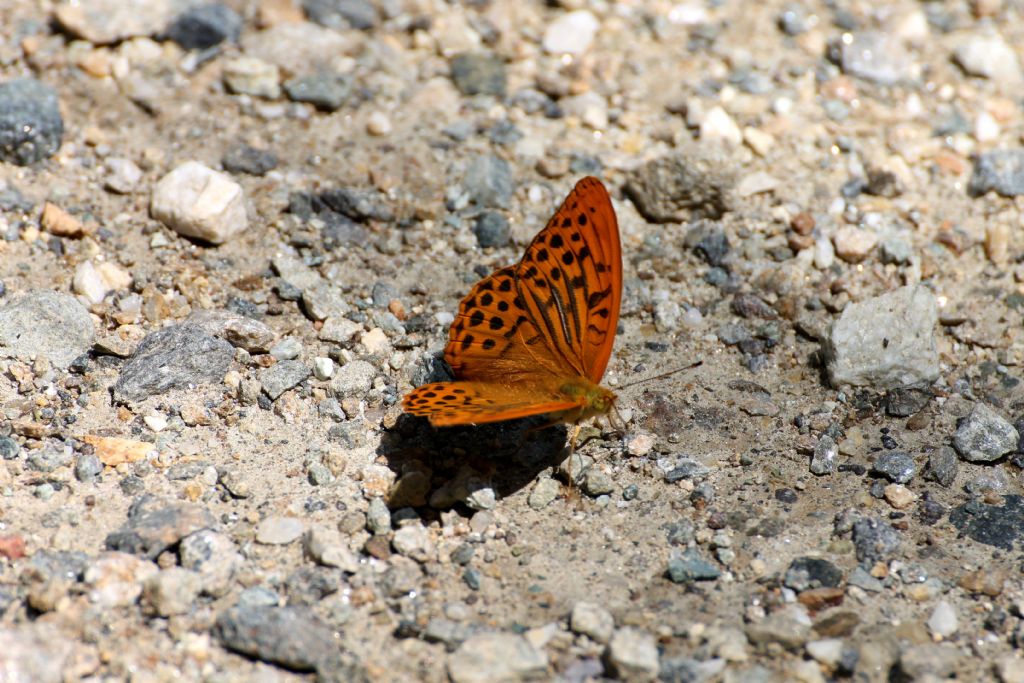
point(234, 235)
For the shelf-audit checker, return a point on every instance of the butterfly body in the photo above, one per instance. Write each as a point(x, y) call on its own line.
point(535, 338)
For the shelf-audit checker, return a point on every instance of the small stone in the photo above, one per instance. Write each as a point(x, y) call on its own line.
point(214, 557)
point(88, 467)
point(238, 330)
point(196, 201)
point(895, 466)
point(174, 357)
point(874, 541)
point(593, 621)
point(281, 377)
point(878, 57)
point(671, 188)
point(31, 127)
point(690, 566)
point(293, 637)
point(632, 655)
point(353, 379)
point(853, 244)
point(357, 14)
point(339, 330)
point(943, 622)
point(488, 181)
point(116, 579)
point(378, 124)
point(572, 33)
point(319, 474)
point(984, 435)
point(597, 482)
point(490, 657)
point(376, 342)
point(57, 221)
point(279, 530)
point(899, 496)
point(544, 492)
point(491, 229)
point(378, 517)
point(479, 73)
point(1000, 171)
point(780, 628)
point(51, 325)
point(203, 26)
point(943, 466)
point(928, 661)
point(719, 126)
point(102, 22)
point(248, 159)
point(323, 368)
point(326, 90)
point(252, 76)
point(826, 456)
point(155, 524)
point(413, 540)
point(885, 341)
point(329, 548)
point(172, 591)
point(1010, 669)
point(806, 573)
point(988, 57)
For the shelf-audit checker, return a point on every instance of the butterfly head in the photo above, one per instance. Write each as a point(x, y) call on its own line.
point(593, 399)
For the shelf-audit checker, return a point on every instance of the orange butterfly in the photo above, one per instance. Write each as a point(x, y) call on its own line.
point(535, 338)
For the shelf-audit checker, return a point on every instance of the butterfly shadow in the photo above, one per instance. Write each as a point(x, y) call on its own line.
point(460, 462)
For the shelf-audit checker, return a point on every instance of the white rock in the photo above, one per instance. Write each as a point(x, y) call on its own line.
point(89, 283)
point(155, 421)
point(251, 76)
point(323, 368)
point(491, 657)
point(943, 621)
point(853, 244)
point(330, 548)
point(592, 620)
point(199, 202)
point(378, 124)
point(718, 125)
point(413, 540)
point(633, 655)
point(115, 277)
point(988, 57)
point(115, 579)
point(123, 175)
point(824, 254)
point(279, 530)
point(827, 651)
point(986, 128)
point(571, 33)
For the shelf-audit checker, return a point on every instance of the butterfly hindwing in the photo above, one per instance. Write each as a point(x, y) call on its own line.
point(570, 280)
point(457, 403)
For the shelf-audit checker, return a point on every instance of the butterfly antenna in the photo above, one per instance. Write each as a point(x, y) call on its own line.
point(661, 376)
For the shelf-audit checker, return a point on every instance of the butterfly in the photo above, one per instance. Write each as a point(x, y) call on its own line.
point(535, 338)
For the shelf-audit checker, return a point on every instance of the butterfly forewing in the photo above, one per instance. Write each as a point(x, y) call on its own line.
point(452, 403)
point(570, 280)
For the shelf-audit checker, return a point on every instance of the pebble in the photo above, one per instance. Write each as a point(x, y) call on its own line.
point(943, 621)
point(853, 244)
point(487, 657)
point(999, 526)
point(899, 496)
point(174, 357)
point(827, 651)
point(718, 126)
point(293, 637)
point(35, 652)
point(112, 451)
point(252, 76)
point(544, 492)
point(155, 524)
point(196, 201)
point(357, 14)
point(414, 541)
point(690, 566)
point(172, 591)
point(326, 90)
point(1009, 669)
point(943, 466)
point(826, 456)
point(123, 175)
point(782, 628)
point(376, 342)
point(239, 330)
point(572, 33)
point(479, 73)
point(31, 127)
point(806, 573)
point(279, 530)
point(632, 655)
point(339, 330)
point(282, 376)
point(329, 548)
point(488, 181)
point(491, 229)
point(988, 57)
point(248, 159)
point(116, 579)
point(41, 323)
point(214, 557)
point(378, 517)
point(885, 341)
point(593, 621)
point(669, 188)
point(984, 435)
point(878, 57)
point(323, 368)
point(895, 466)
point(109, 21)
point(875, 541)
point(353, 379)
point(88, 467)
point(204, 26)
point(1000, 171)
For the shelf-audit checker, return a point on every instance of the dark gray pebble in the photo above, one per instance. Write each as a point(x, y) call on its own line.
point(326, 90)
point(248, 159)
point(204, 26)
point(812, 572)
point(491, 229)
point(479, 73)
point(896, 466)
point(172, 358)
point(155, 524)
point(31, 127)
point(691, 566)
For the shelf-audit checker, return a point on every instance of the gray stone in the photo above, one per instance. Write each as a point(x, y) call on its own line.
point(596, 482)
point(804, 573)
point(860, 578)
point(353, 379)
point(325, 90)
point(451, 633)
point(53, 325)
point(479, 73)
point(675, 187)
point(489, 657)
point(31, 127)
point(779, 628)
point(248, 159)
point(203, 26)
point(491, 229)
point(359, 14)
point(174, 357)
point(875, 541)
point(329, 548)
point(943, 466)
point(592, 620)
point(9, 448)
point(929, 661)
point(544, 492)
point(632, 655)
point(414, 541)
point(238, 330)
point(52, 456)
point(401, 578)
point(378, 517)
point(172, 591)
point(878, 57)
point(885, 341)
point(488, 181)
point(215, 558)
point(895, 466)
point(826, 456)
point(279, 530)
point(690, 566)
point(1000, 171)
point(281, 377)
point(984, 435)
point(155, 524)
point(292, 637)
point(87, 467)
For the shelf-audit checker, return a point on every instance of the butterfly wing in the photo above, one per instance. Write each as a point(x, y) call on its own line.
point(570, 280)
point(462, 403)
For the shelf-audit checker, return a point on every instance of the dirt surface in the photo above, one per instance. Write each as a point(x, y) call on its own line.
point(764, 180)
